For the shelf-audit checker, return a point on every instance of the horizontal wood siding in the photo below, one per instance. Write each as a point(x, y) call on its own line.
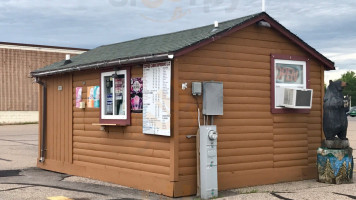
point(125, 148)
point(17, 90)
point(251, 140)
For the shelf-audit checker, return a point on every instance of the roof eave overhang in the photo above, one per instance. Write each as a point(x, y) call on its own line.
point(328, 65)
point(117, 62)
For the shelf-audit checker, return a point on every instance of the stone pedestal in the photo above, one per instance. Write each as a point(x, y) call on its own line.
point(335, 165)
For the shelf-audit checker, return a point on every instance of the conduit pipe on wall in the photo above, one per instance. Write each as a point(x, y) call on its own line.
point(44, 119)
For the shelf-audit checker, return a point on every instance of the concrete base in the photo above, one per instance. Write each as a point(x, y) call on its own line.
point(335, 165)
point(18, 117)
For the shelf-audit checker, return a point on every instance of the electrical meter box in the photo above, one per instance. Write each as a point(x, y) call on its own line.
point(213, 98)
point(208, 162)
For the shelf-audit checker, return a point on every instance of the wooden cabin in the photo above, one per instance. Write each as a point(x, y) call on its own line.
point(121, 141)
point(18, 95)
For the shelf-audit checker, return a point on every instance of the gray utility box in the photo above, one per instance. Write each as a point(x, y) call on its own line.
point(208, 162)
point(213, 98)
point(196, 88)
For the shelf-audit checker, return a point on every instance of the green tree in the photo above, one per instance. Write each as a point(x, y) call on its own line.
point(328, 175)
point(350, 78)
point(342, 175)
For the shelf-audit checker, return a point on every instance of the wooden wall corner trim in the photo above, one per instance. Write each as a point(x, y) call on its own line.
point(184, 188)
point(174, 142)
point(70, 139)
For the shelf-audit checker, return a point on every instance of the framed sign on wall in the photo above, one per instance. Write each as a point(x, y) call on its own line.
point(157, 98)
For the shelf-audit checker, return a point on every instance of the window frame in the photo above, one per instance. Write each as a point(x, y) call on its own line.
point(118, 120)
point(288, 59)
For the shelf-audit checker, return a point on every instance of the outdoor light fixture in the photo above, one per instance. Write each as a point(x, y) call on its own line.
point(115, 75)
point(264, 24)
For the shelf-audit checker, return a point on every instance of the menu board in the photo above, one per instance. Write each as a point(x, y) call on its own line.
point(157, 98)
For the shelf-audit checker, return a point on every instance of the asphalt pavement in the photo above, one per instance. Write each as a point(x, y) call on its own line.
point(20, 179)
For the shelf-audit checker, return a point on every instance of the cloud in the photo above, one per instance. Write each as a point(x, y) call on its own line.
point(342, 57)
point(325, 25)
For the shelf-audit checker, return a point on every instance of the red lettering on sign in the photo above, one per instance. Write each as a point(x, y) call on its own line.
point(287, 74)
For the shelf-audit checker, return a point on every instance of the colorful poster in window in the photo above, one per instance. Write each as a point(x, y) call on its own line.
point(119, 88)
point(120, 108)
point(136, 95)
point(78, 96)
point(109, 104)
point(96, 96)
point(289, 73)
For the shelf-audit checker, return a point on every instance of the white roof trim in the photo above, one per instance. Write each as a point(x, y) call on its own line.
point(44, 49)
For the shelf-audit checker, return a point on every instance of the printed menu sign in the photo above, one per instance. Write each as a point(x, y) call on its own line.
point(157, 98)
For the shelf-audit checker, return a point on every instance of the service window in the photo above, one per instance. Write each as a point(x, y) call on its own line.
point(287, 72)
point(115, 107)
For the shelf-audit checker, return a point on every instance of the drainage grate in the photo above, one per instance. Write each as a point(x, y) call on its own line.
point(7, 173)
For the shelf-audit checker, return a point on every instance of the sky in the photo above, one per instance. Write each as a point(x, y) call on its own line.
point(329, 26)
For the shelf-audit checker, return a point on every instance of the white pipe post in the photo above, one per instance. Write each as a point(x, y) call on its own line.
point(263, 5)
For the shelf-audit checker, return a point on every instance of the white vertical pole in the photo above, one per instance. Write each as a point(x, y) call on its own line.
point(263, 5)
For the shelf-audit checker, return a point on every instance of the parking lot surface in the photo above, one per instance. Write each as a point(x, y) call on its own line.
point(20, 179)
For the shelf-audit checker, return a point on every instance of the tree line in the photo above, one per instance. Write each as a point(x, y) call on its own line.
point(350, 78)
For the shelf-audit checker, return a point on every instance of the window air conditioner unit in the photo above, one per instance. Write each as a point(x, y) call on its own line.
point(294, 98)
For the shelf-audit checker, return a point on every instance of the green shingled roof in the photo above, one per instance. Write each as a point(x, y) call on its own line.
point(167, 43)
point(171, 43)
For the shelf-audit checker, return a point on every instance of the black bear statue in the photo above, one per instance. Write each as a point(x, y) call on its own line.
point(334, 118)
